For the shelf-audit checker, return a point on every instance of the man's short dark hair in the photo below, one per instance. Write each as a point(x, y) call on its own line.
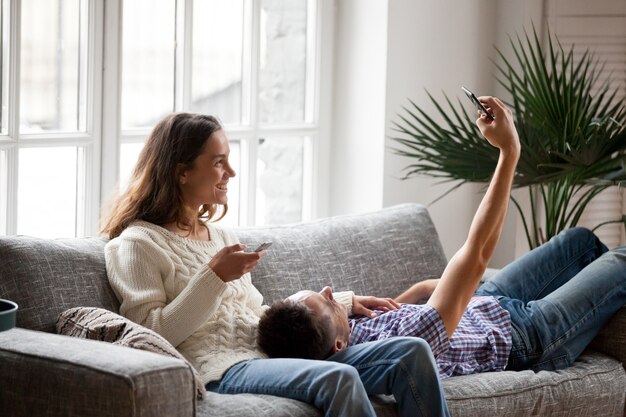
point(291, 330)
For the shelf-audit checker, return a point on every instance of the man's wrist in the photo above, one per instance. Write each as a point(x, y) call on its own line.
point(510, 153)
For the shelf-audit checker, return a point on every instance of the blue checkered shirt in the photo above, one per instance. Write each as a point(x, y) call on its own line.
point(481, 342)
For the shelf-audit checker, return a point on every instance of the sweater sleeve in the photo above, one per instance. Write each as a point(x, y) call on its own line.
point(345, 298)
point(137, 269)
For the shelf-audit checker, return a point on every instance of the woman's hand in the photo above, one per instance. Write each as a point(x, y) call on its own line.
point(364, 305)
point(231, 263)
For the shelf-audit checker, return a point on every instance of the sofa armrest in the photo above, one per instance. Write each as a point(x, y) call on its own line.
point(612, 338)
point(54, 375)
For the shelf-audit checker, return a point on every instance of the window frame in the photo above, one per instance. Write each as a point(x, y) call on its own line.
point(87, 142)
point(99, 146)
point(250, 130)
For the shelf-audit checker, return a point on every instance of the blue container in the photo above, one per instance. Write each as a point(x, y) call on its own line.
point(8, 310)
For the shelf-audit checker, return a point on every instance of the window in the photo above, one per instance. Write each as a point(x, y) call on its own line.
point(70, 132)
point(48, 136)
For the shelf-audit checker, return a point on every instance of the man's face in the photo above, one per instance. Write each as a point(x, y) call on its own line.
point(324, 305)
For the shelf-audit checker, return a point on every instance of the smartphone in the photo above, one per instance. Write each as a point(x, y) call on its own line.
point(263, 246)
point(477, 103)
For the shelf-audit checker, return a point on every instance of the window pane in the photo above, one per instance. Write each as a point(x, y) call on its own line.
point(46, 204)
point(129, 153)
point(282, 72)
point(53, 82)
point(148, 54)
point(217, 58)
point(279, 180)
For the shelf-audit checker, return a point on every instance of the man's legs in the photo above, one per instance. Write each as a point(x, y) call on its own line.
point(402, 366)
point(559, 296)
point(565, 321)
point(546, 268)
point(334, 388)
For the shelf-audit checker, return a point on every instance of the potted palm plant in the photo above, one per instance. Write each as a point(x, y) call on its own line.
point(572, 129)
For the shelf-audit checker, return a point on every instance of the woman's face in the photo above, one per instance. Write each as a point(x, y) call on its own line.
point(205, 181)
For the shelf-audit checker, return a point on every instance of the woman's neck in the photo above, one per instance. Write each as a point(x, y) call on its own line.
point(196, 229)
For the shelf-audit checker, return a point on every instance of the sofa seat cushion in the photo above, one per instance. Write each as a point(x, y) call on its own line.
point(593, 387)
point(105, 326)
point(237, 405)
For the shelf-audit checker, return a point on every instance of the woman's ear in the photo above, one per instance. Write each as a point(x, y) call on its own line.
point(181, 173)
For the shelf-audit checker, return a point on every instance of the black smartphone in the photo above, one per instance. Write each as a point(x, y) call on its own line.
point(477, 103)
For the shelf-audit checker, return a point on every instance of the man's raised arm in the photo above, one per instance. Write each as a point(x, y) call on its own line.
point(464, 271)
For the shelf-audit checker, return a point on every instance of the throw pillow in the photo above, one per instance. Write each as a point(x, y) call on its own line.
point(103, 325)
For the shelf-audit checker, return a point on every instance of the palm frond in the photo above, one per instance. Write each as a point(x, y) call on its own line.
point(572, 129)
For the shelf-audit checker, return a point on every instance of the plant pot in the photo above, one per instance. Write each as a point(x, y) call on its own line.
point(8, 310)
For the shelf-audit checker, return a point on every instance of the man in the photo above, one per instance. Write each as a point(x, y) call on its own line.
point(539, 312)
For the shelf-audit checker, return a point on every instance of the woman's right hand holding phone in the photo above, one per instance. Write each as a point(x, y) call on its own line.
point(231, 262)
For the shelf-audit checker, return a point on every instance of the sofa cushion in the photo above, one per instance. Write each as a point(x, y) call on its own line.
point(105, 326)
point(45, 277)
point(380, 253)
point(592, 387)
point(612, 338)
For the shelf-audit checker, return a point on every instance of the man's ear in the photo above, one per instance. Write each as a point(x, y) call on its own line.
point(339, 345)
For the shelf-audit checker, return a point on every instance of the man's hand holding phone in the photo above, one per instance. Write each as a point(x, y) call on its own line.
point(479, 105)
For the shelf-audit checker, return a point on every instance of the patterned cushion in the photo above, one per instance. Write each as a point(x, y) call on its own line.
point(103, 325)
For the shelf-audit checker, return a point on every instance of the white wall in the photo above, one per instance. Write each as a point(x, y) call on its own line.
point(388, 51)
point(358, 128)
point(437, 46)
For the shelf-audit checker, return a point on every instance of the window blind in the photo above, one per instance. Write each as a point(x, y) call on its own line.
point(600, 27)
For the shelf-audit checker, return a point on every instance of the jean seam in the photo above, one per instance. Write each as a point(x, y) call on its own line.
point(265, 389)
point(573, 259)
point(414, 390)
point(581, 321)
point(404, 369)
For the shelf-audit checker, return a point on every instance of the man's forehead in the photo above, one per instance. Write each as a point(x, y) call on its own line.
point(300, 296)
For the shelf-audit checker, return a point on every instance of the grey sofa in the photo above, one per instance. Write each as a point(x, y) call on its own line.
point(381, 253)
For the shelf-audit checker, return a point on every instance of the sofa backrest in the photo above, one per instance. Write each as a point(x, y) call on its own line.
point(380, 253)
point(45, 277)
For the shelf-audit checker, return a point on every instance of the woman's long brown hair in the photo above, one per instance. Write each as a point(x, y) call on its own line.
point(153, 192)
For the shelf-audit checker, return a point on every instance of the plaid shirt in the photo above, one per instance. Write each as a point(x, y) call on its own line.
point(481, 342)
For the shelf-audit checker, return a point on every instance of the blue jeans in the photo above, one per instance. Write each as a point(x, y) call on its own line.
point(404, 367)
point(559, 296)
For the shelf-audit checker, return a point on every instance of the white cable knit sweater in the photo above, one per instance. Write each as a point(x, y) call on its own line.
point(163, 282)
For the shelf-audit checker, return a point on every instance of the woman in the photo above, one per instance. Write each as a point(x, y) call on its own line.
point(180, 275)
